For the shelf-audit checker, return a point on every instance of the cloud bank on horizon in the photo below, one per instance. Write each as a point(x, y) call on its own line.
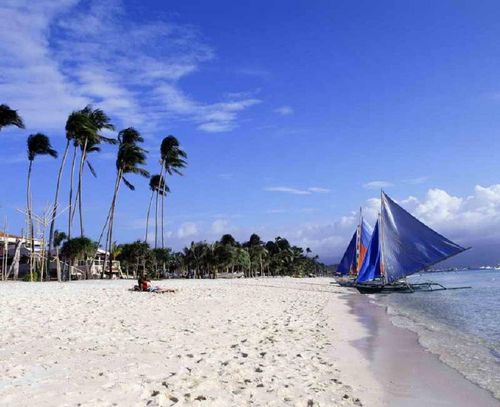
point(468, 220)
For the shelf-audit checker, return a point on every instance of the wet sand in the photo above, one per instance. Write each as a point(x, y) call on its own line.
point(409, 375)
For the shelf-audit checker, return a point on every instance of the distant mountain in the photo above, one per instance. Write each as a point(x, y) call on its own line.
point(481, 254)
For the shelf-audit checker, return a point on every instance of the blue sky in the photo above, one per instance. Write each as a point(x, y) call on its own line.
point(293, 114)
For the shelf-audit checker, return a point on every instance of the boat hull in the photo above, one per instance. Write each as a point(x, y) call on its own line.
point(346, 281)
point(374, 288)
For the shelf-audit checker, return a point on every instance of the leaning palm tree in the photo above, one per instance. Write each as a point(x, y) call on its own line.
point(10, 117)
point(172, 162)
point(129, 160)
point(94, 120)
point(78, 127)
point(156, 185)
point(38, 144)
point(76, 124)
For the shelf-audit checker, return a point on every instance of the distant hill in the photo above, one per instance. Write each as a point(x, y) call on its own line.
point(481, 254)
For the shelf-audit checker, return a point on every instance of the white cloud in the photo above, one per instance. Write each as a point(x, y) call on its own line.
point(59, 56)
point(288, 190)
point(465, 219)
point(417, 180)
point(476, 216)
point(275, 211)
point(319, 190)
point(220, 226)
point(297, 191)
point(187, 229)
point(377, 184)
point(284, 110)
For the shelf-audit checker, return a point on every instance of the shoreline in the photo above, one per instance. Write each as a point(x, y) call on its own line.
point(408, 373)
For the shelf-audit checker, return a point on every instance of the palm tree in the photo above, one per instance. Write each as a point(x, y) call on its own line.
point(10, 117)
point(78, 248)
point(75, 124)
point(172, 162)
point(257, 253)
point(129, 159)
point(38, 144)
point(90, 122)
point(156, 185)
point(78, 126)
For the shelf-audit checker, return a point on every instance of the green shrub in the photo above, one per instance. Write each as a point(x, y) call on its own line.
point(36, 277)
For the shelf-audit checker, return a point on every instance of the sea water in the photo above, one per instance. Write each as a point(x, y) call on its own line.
point(462, 327)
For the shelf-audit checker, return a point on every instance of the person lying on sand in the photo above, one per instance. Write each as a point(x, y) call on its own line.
point(144, 284)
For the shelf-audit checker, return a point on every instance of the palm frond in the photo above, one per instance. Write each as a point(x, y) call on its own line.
point(130, 136)
point(39, 144)
point(128, 184)
point(91, 168)
point(10, 117)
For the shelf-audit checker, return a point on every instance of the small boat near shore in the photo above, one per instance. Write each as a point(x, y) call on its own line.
point(354, 255)
point(401, 245)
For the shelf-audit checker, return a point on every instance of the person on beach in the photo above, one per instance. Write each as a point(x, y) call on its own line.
point(144, 284)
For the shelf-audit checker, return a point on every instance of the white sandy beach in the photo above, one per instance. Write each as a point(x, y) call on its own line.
point(259, 342)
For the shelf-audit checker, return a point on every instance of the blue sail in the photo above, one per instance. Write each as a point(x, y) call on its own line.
point(371, 265)
point(347, 261)
point(366, 232)
point(408, 245)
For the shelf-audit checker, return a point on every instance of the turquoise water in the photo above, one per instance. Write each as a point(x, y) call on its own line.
point(462, 327)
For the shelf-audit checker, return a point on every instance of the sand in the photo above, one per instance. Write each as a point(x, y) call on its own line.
point(268, 342)
point(255, 342)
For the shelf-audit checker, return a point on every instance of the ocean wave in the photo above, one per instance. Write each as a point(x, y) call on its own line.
point(476, 359)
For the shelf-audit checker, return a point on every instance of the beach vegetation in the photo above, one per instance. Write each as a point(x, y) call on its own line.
point(85, 132)
point(172, 161)
point(38, 144)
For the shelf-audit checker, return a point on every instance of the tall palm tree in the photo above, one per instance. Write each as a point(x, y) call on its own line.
point(173, 160)
point(94, 120)
point(10, 117)
point(38, 144)
point(156, 185)
point(75, 124)
point(129, 159)
point(78, 127)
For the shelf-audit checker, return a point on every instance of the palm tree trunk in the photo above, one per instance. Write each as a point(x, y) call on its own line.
point(30, 219)
point(156, 221)
point(70, 209)
point(162, 228)
point(162, 189)
point(147, 215)
point(106, 223)
point(54, 209)
point(111, 220)
point(80, 185)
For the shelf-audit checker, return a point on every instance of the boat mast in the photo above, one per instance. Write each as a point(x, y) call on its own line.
point(382, 263)
point(358, 242)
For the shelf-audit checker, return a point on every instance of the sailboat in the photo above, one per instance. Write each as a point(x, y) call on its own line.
point(401, 245)
point(355, 254)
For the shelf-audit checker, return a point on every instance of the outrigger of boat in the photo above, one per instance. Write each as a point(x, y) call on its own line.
point(401, 245)
point(402, 287)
